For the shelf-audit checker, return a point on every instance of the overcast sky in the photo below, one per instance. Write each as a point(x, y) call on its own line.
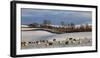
point(29, 16)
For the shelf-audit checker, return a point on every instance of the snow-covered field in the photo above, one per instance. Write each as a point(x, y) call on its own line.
point(43, 35)
point(28, 36)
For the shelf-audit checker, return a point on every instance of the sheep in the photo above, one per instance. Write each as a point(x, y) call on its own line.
point(67, 42)
point(23, 44)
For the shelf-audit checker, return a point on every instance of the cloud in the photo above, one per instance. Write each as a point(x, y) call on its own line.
point(56, 16)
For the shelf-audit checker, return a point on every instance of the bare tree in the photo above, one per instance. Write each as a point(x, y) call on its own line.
point(62, 23)
point(33, 25)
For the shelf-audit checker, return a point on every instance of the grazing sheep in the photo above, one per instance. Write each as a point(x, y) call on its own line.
point(23, 44)
point(74, 39)
point(54, 39)
point(30, 42)
point(70, 38)
point(37, 42)
point(67, 42)
point(46, 44)
point(50, 43)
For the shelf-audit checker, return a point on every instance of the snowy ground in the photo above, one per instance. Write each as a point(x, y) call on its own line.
point(28, 36)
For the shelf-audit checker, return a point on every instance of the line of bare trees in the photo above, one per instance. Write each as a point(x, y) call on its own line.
point(63, 27)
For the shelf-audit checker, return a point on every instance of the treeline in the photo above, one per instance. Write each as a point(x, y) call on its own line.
point(62, 27)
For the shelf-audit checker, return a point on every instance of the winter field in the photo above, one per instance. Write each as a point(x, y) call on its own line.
point(34, 39)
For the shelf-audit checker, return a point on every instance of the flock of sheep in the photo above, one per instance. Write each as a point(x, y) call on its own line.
point(55, 43)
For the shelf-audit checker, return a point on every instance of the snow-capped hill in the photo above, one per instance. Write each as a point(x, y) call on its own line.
point(24, 26)
point(84, 25)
